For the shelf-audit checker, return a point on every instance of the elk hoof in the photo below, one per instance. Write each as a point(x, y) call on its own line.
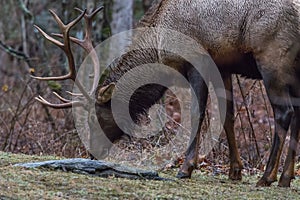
point(264, 182)
point(183, 175)
point(235, 174)
point(285, 181)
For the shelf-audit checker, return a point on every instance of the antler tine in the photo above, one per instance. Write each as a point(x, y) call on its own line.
point(59, 44)
point(93, 14)
point(59, 106)
point(61, 98)
point(74, 94)
point(73, 39)
point(66, 27)
point(48, 37)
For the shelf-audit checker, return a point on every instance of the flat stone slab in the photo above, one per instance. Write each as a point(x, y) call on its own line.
point(95, 168)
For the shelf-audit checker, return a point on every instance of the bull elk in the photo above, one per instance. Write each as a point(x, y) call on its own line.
point(258, 39)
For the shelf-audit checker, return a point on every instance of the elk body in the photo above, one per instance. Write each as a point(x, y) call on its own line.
point(258, 39)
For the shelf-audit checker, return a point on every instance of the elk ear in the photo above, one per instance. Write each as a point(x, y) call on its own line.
point(105, 93)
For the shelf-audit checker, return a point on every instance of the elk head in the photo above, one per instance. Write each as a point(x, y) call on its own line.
point(102, 113)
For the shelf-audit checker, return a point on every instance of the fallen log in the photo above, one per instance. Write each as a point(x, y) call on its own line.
point(95, 168)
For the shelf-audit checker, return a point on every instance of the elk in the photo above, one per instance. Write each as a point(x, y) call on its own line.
point(258, 39)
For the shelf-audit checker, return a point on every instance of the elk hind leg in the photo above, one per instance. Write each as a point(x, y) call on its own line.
point(236, 165)
point(289, 167)
point(278, 94)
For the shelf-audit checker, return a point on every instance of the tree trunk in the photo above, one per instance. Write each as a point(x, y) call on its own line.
point(122, 20)
point(122, 16)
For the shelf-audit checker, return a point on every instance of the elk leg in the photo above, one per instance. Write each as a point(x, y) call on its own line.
point(198, 107)
point(236, 165)
point(289, 167)
point(283, 111)
point(282, 118)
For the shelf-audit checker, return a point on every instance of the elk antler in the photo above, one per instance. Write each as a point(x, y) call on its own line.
point(86, 43)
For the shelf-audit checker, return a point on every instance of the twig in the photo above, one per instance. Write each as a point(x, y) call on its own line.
point(13, 52)
point(267, 110)
point(246, 96)
point(248, 116)
point(18, 112)
point(25, 10)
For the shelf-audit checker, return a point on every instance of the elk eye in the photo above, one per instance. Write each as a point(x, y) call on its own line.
point(93, 118)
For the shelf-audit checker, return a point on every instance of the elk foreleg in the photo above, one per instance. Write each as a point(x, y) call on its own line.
point(197, 115)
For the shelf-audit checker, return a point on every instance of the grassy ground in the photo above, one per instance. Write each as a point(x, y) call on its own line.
point(19, 183)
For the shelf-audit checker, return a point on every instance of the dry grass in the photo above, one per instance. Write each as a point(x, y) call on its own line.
point(20, 183)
